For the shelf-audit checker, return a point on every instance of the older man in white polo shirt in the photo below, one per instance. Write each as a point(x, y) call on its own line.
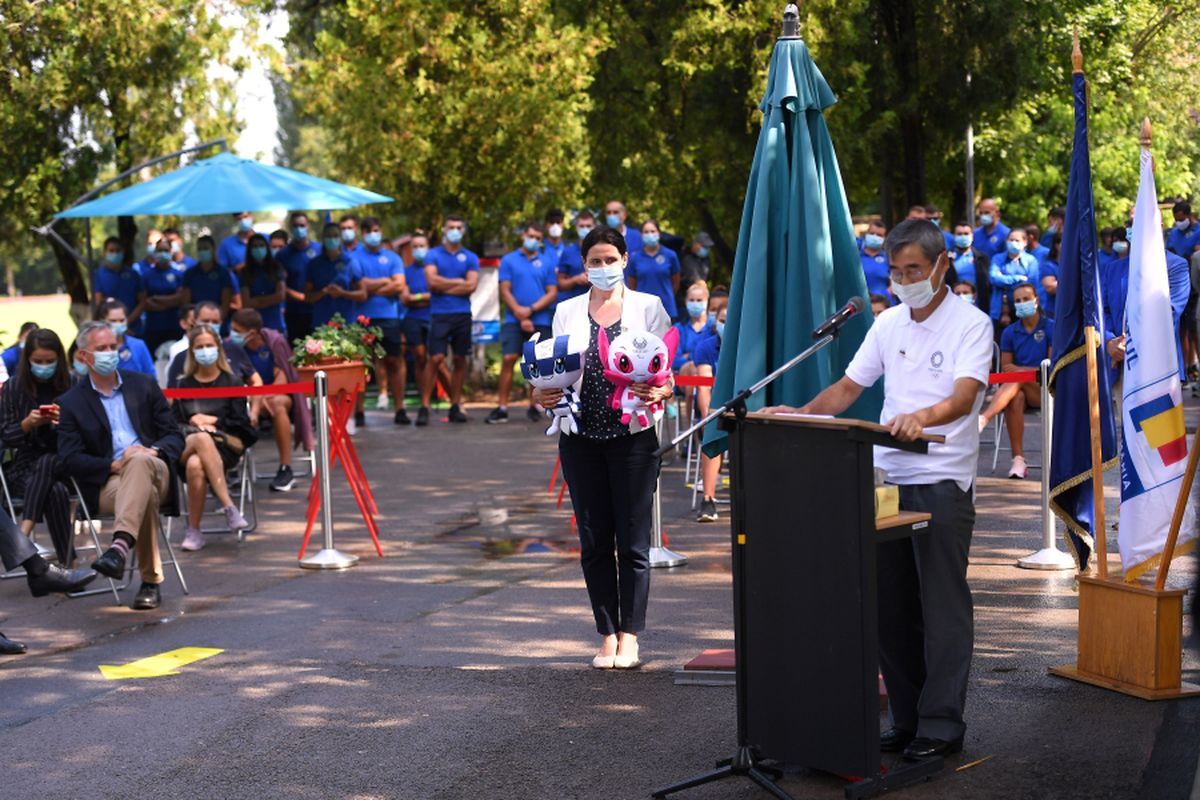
point(933, 352)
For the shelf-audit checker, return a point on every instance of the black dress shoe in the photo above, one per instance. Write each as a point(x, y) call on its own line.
point(922, 748)
point(10, 648)
point(111, 564)
point(893, 740)
point(58, 579)
point(148, 597)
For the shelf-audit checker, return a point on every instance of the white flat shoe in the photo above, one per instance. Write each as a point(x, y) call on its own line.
point(627, 661)
point(603, 662)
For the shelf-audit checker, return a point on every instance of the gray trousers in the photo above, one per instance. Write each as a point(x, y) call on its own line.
point(15, 547)
point(926, 616)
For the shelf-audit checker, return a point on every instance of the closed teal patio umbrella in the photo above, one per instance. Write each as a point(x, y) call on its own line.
point(797, 261)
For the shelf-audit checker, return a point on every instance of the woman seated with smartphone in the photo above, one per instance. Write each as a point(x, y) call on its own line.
point(28, 425)
point(217, 432)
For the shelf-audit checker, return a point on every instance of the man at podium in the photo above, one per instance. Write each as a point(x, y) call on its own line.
point(933, 353)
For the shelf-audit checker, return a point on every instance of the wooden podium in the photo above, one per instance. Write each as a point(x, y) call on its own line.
point(805, 603)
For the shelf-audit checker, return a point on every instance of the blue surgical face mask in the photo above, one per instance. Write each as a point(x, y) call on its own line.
point(1014, 248)
point(80, 368)
point(582, 231)
point(721, 330)
point(605, 278)
point(1026, 308)
point(116, 259)
point(106, 362)
point(348, 235)
point(44, 372)
point(204, 255)
point(162, 256)
point(118, 328)
point(703, 252)
point(1053, 229)
point(246, 224)
point(205, 356)
point(454, 235)
point(873, 241)
point(970, 298)
point(613, 220)
point(696, 308)
point(986, 220)
point(275, 251)
point(650, 240)
point(237, 338)
point(300, 231)
point(1120, 248)
point(373, 239)
point(258, 253)
point(419, 253)
point(962, 241)
point(530, 244)
point(1182, 225)
point(332, 246)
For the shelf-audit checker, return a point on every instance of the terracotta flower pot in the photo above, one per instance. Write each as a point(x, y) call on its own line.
point(343, 376)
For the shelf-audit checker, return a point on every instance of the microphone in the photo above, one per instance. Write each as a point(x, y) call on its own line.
point(830, 326)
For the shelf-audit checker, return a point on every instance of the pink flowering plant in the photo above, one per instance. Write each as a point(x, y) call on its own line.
point(340, 340)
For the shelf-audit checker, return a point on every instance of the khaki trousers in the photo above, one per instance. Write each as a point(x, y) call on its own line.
point(132, 497)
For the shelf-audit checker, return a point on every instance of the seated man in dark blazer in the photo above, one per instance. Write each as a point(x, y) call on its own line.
point(118, 439)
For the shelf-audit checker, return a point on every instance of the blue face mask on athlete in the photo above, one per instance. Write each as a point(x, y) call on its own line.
point(80, 368)
point(332, 246)
point(962, 241)
point(986, 220)
point(106, 362)
point(696, 308)
point(1026, 308)
point(205, 356)
point(162, 256)
point(116, 259)
point(118, 328)
point(873, 241)
point(721, 330)
point(237, 338)
point(613, 220)
point(530, 244)
point(300, 231)
point(246, 224)
point(419, 253)
point(650, 240)
point(204, 255)
point(1015, 248)
point(258, 253)
point(703, 252)
point(275, 251)
point(454, 235)
point(1120, 248)
point(348, 235)
point(373, 239)
point(44, 372)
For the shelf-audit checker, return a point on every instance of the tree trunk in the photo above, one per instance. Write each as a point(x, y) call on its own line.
point(70, 269)
point(720, 243)
point(899, 23)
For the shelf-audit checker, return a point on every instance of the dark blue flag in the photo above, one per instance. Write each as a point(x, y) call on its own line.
point(1078, 305)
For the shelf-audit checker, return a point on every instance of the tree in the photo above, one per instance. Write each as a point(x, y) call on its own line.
point(93, 87)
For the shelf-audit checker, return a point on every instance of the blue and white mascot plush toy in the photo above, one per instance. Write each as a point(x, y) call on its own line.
point(557, 363)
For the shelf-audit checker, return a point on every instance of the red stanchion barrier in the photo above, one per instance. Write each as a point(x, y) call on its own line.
point(694, 380)
point(1027, 376)
point(224, 392)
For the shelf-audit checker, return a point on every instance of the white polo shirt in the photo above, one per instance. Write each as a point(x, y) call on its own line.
point(919, 362)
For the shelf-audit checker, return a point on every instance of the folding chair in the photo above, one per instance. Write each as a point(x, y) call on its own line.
point(999, 444)
point(16, 505)
point(239, 480)
point(90, 521)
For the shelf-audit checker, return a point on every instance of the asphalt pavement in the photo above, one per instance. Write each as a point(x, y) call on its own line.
point(457, 665)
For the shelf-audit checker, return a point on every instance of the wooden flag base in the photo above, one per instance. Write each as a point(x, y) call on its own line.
point(1130, 640)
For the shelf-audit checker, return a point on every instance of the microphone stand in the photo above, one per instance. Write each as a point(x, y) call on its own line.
point(737, 403)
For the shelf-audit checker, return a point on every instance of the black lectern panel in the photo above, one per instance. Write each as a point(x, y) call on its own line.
point(810, 621)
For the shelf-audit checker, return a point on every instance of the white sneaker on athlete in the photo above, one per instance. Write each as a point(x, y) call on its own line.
point(1019, 468)
point(193, 540)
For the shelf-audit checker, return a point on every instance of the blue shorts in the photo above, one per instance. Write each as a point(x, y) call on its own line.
point(450, 330)
point(391, 335)
point(513, 339)
point(416, 331)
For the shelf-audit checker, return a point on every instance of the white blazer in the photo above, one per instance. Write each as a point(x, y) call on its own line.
point(639, 312)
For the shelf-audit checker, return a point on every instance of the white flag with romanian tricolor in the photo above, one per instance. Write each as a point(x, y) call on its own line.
point(1154, 447)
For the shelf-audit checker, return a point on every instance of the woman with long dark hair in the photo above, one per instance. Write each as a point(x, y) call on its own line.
point(611, 468)
point(264, 283)
point(28, 426)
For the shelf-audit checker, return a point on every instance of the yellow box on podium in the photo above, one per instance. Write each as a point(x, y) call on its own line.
point(887, 501)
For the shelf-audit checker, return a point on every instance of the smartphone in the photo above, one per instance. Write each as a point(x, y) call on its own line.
point(47, 410)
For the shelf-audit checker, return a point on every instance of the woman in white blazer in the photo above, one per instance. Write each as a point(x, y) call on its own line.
point(611, 468)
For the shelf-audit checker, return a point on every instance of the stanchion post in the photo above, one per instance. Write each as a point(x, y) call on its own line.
point(328, 557)
point(661, 556)
point(1049, 557)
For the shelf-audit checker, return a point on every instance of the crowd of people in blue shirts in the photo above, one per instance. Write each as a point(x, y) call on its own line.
point(1012, 274)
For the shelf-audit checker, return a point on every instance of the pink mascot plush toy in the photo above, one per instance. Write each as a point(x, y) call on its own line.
point(639, 357)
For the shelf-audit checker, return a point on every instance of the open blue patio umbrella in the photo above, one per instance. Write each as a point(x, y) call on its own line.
point(224, 184)
point(797, 261)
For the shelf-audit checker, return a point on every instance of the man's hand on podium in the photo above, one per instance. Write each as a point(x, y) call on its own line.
point(785, 410)
point(906, 427)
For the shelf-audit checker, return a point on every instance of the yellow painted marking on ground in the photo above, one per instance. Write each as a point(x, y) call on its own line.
point(157, 666)
point(975, 763)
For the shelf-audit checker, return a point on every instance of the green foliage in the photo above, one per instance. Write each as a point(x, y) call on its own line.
point(92, 87)
point(338, 339)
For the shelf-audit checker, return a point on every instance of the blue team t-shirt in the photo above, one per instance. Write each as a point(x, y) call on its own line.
point(1184, 242)
point(530, 276)
point(231, 252)
point(262, 284)
point(1006, 274)
point(707, 351)
point(162, 281)
point(877, 272)
point(993, 243)
point(689, 337)
point(964, 266)
point(381, 264)
point(414, 276)
point(451, 265)
point(570, 264)
point(1048, 269)
point(263, 362)
point(207, 284)
point(1028, 348)
point(653, 275)
point(295, 263)
point(344, 272)
point(124, 285)
point(135, 357)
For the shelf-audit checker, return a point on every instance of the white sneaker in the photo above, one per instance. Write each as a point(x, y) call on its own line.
point(193, 540)
point(983, 423)
point(383, 403)
point(1019, 468)
point(351, 428)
